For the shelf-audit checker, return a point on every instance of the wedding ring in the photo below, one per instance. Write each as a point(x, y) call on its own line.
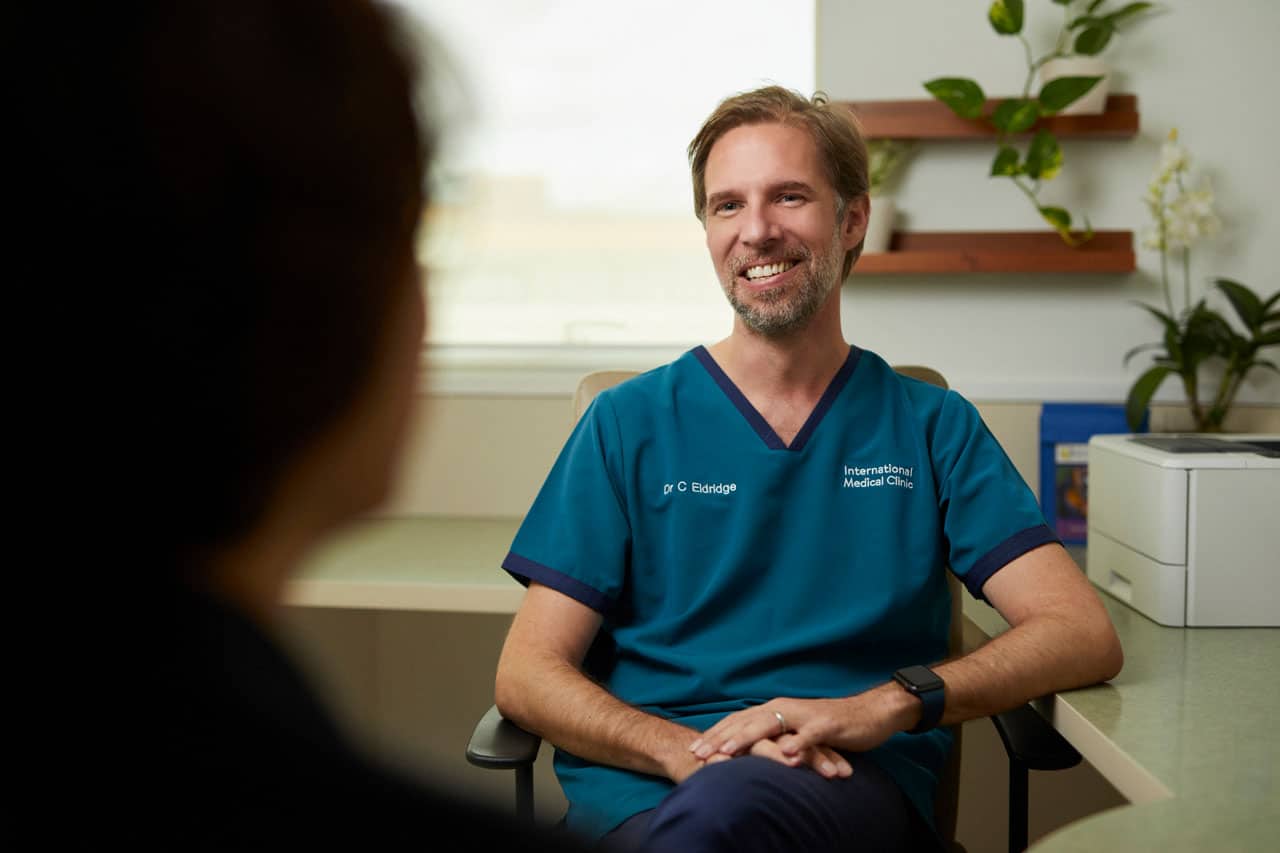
point(782, 721)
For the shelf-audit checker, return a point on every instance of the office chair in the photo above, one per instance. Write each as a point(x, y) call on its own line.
point(1029, 741)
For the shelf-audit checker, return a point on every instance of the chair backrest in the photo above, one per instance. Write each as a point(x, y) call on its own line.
point(948, 794)
point(947, 800)
point(593, 383)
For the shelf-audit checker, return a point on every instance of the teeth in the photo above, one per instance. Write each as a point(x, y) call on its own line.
point(766, 270)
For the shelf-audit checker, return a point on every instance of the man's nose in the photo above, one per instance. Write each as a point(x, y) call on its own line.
point(758, 227)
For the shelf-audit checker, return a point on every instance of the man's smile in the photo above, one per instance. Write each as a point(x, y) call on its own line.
point(765, 271)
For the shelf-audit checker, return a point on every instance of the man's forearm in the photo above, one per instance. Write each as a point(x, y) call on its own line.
point(1044, 655)
point(1061, 638)
point(554, 700)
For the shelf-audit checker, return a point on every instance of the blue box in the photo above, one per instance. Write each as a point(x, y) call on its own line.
point(1065, 429)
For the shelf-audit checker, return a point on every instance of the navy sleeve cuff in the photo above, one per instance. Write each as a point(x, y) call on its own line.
point(525, 570)
point(1003, 554)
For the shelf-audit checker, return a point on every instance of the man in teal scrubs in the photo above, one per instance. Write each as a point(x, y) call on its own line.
point(736, 625)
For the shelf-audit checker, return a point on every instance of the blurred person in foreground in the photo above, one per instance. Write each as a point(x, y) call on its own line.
point(248, 186)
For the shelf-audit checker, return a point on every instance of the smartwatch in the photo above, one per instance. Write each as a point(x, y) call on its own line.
point(924, 684)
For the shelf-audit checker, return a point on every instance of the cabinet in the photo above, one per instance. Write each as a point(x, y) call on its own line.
point(936, 252)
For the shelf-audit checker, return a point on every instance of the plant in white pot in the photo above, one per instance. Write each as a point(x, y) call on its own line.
point(1195, 335)
point(1077, 54)
point(885, 159)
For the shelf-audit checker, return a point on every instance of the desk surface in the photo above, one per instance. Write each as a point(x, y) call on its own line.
point(1187, 732)
point(443, 564)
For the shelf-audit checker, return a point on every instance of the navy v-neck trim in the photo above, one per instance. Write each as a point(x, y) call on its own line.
point(757, 421)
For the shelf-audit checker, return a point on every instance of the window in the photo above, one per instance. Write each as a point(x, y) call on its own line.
point(567, 215)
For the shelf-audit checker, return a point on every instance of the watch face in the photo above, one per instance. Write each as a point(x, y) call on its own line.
point(919, 678)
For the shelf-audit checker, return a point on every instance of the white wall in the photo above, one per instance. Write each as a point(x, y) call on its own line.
point(1206, 68)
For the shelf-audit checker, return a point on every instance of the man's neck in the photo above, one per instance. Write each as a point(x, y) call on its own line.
point(801, 364)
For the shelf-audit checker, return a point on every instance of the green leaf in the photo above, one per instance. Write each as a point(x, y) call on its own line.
point(964, 96)
point(1172, 333)
point(1271, 300)
point(1140, 348)
point(1006, 17)
point(1127, 12)
point(1063, 2)
point(1092, 6)
point(1015, 115)
point(1006, 162)
point(1199, 343)
point(1270, 365)
point(1058, 218)
point(1093, 40)
point(1239, 347)
point(1268, 339)
point(1141, 393)
point(1168, 322)
point(1247, 304)
point(1057, 94)
point(1044, 157)
point(1207, 325)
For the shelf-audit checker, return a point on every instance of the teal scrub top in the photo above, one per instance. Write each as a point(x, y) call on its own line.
point(731, 569)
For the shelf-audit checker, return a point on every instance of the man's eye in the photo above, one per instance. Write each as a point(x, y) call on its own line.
point(727, 207)
point(790, 197)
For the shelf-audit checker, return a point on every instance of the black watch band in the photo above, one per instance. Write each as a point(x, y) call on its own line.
point(928, 687)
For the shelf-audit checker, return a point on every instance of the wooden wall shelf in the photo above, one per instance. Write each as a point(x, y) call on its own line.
point(945, 252)
point(927, 118)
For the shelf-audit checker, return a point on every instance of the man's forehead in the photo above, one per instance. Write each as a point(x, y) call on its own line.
point(768, 153)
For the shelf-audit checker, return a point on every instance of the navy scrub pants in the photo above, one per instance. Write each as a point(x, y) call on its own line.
point(756, 804)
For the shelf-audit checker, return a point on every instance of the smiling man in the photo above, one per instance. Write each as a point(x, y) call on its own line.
point(762, 666)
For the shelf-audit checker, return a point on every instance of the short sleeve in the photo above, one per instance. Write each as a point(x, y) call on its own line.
point(989, 514)
point(576, 536)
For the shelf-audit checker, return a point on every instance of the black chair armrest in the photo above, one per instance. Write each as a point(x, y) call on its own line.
point(499, 744)
point(1032, 742)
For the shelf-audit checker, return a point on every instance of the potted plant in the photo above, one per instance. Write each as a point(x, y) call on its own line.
point(885, 159)
point(1013, 116)
point(1197, 336)
point(1077, 53)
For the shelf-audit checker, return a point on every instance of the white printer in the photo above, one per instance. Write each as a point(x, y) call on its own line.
point(1186, 528)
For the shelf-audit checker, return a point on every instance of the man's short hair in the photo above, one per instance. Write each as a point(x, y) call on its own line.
point(833, 128)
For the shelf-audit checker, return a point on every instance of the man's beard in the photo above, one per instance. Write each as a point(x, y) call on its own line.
point(780, 311)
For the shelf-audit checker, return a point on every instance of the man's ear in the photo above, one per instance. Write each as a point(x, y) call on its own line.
point(854, 227)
